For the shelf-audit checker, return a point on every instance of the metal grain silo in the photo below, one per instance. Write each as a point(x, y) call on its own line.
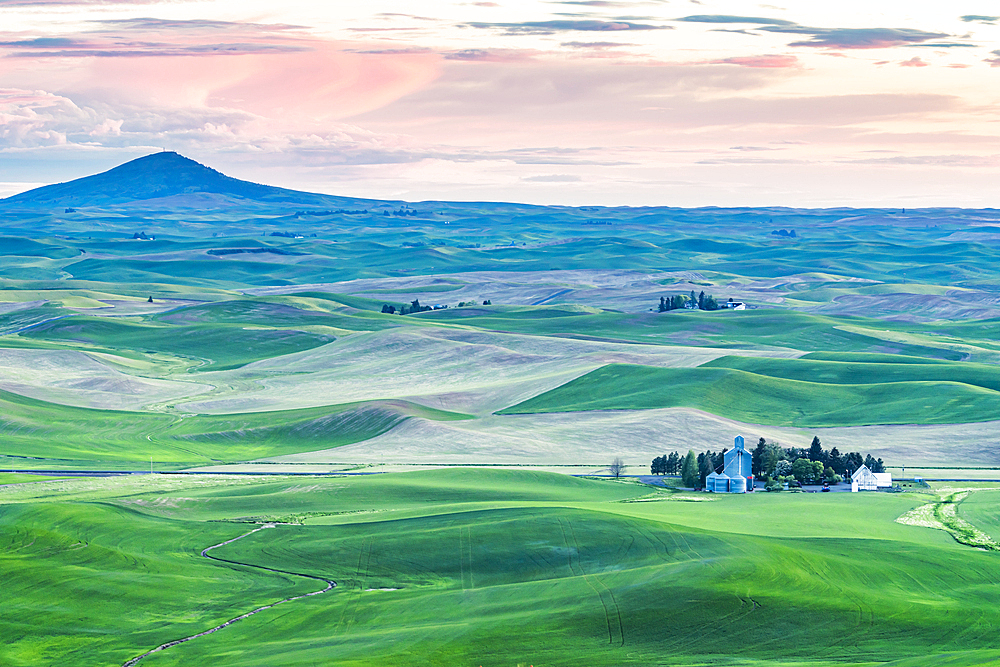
point(710, 481)
point(722, 482)
point(738, 484)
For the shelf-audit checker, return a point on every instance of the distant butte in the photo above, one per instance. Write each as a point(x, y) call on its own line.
point(166, 179)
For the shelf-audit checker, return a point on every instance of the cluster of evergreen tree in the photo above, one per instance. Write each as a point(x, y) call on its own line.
point(702, 302)
point(766, 456)
point(676, 302)
point(808, 464)
point(688, 467)
point(402, 211)
point(666, 465)
point(414, 307)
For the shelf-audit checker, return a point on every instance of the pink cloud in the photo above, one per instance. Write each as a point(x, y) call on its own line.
point(765, 61)
point(915, 61)
point(270, 70)
point(324, 83)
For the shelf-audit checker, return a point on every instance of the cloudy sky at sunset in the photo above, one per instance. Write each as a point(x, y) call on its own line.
point(679, 102)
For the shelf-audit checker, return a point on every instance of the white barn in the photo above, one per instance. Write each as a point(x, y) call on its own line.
point(864, 479)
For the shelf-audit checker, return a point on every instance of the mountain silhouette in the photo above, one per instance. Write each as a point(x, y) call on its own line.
point(164, 179)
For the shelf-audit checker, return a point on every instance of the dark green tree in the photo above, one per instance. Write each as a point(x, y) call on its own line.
point(806, 471)
point(852, 462)
point(816, 450)
point(757, 458)
point(701, 301)
point(658, 466)
point(663, 305)
point(873, 464)
point(706, 466)
point(836, 461)
point(689, 470)
point(772, 454)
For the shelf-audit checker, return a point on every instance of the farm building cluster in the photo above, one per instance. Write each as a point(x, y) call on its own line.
point(737, 474)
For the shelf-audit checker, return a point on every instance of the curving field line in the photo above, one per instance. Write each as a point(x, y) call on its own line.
point(204, 552)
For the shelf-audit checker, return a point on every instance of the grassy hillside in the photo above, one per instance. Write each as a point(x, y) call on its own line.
point(762, 329)
point(868, 372)
point(38, 434)
point(982, 509)
point(764, 399)
point(484, 567)
point(217, 346)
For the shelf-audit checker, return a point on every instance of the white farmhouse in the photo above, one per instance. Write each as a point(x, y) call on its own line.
point(864, 479)
point(734, 305)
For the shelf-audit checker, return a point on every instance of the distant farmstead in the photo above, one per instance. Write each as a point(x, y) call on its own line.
point(734, 305)
point(737, 471)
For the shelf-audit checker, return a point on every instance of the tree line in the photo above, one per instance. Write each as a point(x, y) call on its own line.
point(771, 463)
point(678, 301)
point(415, 307)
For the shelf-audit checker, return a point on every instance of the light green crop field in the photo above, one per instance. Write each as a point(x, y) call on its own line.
point(983, 511)
point(21, 478)
point(478, 567)
point(217, 346)
point(769, 392)
point(39, 434)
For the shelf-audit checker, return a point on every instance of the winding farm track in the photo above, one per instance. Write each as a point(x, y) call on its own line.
point(330, 585)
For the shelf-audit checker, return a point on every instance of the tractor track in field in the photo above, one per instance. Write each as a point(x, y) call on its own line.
point(604, 594)
point(330, 585)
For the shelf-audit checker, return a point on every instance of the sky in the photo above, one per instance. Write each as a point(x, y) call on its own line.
point(576, 102)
